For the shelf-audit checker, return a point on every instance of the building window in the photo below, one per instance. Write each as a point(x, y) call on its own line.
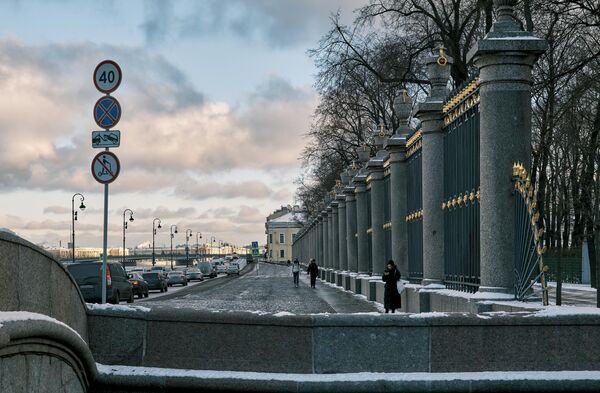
point(282, 253)
point(281, 238)
point(271, 238)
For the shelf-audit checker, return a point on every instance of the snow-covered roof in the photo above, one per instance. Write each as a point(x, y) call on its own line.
point(290, 217)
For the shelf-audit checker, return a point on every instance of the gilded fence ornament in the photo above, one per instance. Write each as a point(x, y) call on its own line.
point(526, 209)
point(442, 60)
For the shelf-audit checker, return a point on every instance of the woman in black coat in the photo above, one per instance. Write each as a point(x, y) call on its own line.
point(313, 270)
point(391, 296)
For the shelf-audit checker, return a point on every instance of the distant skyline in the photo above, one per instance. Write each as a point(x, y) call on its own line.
point(217, 97)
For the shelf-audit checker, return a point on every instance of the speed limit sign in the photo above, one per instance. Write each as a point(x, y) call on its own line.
point(107, 76)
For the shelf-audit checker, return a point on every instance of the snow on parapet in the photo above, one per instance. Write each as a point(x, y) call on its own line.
point(350, 377)
point(434, 314)
point(283, 314)
point(115, 307)
point(14, 316)
point(555, 311)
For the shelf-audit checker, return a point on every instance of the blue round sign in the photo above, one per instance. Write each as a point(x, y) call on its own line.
point(107, 112)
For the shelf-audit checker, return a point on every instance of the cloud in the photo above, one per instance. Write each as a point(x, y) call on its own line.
point(247, 189)
point(169, 130)
point(278, 23)
point(164, 212)
point(249, 214)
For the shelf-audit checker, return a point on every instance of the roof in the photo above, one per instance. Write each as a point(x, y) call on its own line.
point(293, 217)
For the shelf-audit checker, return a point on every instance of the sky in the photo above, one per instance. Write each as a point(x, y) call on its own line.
point(216, 97)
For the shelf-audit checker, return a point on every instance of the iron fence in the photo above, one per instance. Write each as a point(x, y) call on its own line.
point(414, 218)
point(461, 189)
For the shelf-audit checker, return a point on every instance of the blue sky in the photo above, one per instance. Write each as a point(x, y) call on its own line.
point(216, 97)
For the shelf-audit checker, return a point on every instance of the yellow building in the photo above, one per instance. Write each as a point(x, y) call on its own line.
point(281, 228)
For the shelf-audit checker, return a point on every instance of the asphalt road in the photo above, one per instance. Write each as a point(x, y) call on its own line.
point(264, 287)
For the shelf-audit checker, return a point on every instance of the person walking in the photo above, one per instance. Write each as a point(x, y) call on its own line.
point(391, 296)
point(313, 270)
point(296, 272)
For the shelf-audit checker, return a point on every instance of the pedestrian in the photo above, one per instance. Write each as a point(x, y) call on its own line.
point(296, 272)
point(313, 270)
point(391, 296)
point(288, 262)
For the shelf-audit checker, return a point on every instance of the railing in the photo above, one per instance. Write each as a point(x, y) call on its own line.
point(529, 245)
point(461, 189)
point(414, 218)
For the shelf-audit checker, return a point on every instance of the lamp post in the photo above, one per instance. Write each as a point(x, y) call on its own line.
point(220, 244)
point(124, 228)
point(172, 236)
point(198, 237)
point(73, 219)
point(153, 236)
point(212, 240)
point(188, 234)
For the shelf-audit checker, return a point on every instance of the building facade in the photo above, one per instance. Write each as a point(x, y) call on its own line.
point(281, 228)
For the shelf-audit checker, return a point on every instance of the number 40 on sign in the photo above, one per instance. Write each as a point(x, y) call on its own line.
point(107, 76)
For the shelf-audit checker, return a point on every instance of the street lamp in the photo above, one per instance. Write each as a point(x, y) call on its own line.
point(124, 228)
point(212, 240)
point(198, 237)
point(220, 244)
point(153, 236)
point(172, 236)
point(73, 219)
point(187, 246)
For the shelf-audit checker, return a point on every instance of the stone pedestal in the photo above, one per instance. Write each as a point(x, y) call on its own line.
point(361, 225)
point(351, 247)
point(431, 116)
point(325, 240)
point(377, 200)
point(343, 250)
point(335, 227)
point(505, 58)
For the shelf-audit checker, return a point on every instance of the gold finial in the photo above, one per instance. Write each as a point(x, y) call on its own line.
point(443, 205)
point(354, 166)
point(381, 130)
point(404, 95)
point(338, 182)
point(441, 60)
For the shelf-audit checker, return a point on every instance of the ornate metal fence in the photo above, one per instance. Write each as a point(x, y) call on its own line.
point(414, 218)
point(461, 188)
point(529, 245)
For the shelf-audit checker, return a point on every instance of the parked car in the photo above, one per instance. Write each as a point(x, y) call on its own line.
point(140, 286)
point(156, 280)
point(207, 269)
point(194, 274)
point(88, 276)
point(176, 277)
point(233, 268)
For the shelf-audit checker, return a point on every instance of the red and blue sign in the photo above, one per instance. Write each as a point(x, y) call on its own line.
point(107, 112)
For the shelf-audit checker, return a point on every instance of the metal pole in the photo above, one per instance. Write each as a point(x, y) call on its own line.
point(124, 224)
point(104, 243)
point(73, 228)
point(172, 249)
point(153, 235)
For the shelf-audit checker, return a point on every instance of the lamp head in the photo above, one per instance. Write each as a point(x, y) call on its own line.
point(82, 206)
point(175, 230)
point(131, 217)
point(159, 225)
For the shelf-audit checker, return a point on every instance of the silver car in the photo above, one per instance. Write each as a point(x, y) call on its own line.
point(176, 277)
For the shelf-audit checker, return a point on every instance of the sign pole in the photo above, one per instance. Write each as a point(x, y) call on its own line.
point(104, 242)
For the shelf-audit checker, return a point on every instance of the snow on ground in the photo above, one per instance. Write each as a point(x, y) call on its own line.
point(350, 377)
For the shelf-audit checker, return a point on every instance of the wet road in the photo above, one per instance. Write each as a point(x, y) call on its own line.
point(265, 287)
